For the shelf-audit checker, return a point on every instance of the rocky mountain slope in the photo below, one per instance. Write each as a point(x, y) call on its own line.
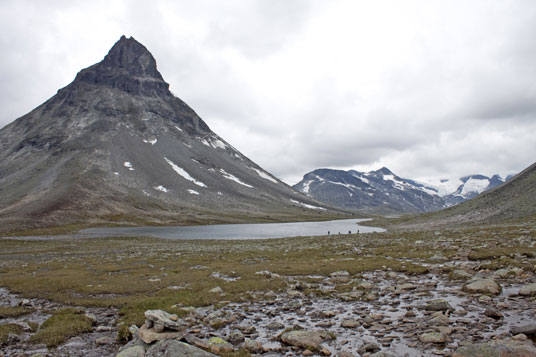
point(115, 146)
point(379, 191)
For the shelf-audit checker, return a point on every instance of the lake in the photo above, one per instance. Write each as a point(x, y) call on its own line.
point(237, 231)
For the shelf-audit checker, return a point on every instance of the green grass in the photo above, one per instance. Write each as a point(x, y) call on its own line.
point(137, 274)
point(6, 329)
point(14, 311)
point(62, 325)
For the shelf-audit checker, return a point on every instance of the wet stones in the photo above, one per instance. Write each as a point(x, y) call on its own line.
point(236, 336)
point(439, 305)
point(528, 290)
point(252, 346)
point(350, 323)
point(368, 348)
point(174, 348)
point(433, 337)
point(310, 340)
point(460, 275)
point(482, 286)
point(524, 329)
point(502, 348)
point(493, 313)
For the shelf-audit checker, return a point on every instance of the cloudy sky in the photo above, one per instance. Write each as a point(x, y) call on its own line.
point(430, 89)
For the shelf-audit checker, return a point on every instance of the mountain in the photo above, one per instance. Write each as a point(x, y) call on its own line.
point(379, 191)
point(115, 146)
point(511, 201)
point(468, 187)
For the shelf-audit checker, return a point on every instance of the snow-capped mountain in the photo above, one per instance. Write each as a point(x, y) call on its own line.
point(382, 191)
point(379, 191)
point(470, 186)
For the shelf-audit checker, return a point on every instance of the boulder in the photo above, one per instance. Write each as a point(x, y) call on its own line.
point(150, 336)
point(252, 346)
point(218, 345)
point(460, 275)
point(349, 323)
point(134, 351)
point(439, 305)
point(167, 320)
point(482, 286)
point(172, 348)
point(525, 329)
point(528, 290)
point(433, 337)
point(305, 339)
point(497, 348)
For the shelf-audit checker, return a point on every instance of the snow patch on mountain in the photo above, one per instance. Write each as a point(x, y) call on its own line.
point(152, 142)
point(306, 205)
point(264, 175)
point(183, 173)
point(228, 176)
point(474, 185)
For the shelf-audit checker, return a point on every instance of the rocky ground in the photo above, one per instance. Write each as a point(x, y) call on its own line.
point(466, 303)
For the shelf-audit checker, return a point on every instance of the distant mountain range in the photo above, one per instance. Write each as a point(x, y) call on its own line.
point(471, 186)
point(117, 147)
point(384, 192)
point(514, 201)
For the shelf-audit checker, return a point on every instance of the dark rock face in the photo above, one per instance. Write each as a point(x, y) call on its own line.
point(115, 144)
point(379, 191)
point(130, 67)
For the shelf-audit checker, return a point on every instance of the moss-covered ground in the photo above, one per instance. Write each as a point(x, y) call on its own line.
point(136, 274)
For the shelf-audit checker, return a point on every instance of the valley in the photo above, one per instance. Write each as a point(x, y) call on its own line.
point(116, 152)
point(403, 293)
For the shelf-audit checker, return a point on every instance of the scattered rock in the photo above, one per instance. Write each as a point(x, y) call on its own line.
point(175, 348)
point(305, 339)
point(438, 305)
point(340, 273)
point(482, 286)
point(368, 348)
point(218, 345)
point(497, 348)
point(252, 346)
point(525, 329)
point(167, 320)
point(216, 290)
point(439, 319)
point(325, 352)
point(349, 323)
point(493, 313)
point(460, 275)
point(236, 336)
point(433, 337)
point(528, 290)
point(105, 341)
point(134, 351)
point(149, 336)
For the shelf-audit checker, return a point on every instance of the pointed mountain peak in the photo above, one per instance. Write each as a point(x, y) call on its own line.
point(128, 66)
point(131, 56)
point(385, 171)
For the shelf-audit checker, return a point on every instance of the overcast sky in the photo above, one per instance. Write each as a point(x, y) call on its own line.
point(430, 89)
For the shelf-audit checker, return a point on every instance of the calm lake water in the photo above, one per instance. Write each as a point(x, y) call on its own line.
point(238, 231)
